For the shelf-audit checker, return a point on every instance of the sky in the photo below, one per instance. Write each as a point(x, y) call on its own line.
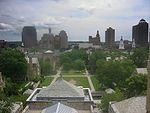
point(79, 18)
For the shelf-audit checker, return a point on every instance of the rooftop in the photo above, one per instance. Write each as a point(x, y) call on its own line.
point(61, 88)
point(59, 108)
point(131, 105)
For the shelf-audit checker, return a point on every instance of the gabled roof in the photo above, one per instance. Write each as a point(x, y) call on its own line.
point(59, 108)
point(61, 88)
point(131, 105)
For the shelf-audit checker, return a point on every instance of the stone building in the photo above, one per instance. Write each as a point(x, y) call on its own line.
point(29, 36)
point(109, 37)
point(33, 68)
point(95, 40)
point(49, 41)
point(63, 92)
point(140, 34)
point(121, 44)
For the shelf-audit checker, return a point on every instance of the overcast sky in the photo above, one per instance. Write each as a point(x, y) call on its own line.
point(79, 18)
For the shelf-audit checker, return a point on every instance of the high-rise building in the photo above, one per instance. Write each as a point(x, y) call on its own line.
point(109, 37)
point(140, 34)
point(29, 36)
point(63, 40)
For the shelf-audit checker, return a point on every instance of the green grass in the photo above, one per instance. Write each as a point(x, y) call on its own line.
point(73, 72)
point(79, 81)
point(46, 81)
point(95, 83)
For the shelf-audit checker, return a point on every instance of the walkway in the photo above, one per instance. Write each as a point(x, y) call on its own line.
point(90, 81)
point(57, 75)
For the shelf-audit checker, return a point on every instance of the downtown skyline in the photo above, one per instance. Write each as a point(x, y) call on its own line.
point(78, 18)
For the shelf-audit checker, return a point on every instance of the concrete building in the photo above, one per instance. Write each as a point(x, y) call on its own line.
point(140, 34)
point(131, 105)
point(63, 40)
point(29, 36)
point(68, 95)
point(109, 37)
point(95, 40)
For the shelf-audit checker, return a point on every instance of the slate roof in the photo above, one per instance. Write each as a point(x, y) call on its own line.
point(131, 105)
point(61, 88)
point(59, 108)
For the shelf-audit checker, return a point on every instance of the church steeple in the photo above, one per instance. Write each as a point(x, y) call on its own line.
point(97, 35)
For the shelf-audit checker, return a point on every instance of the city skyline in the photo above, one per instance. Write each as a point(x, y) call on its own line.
point(78, 18)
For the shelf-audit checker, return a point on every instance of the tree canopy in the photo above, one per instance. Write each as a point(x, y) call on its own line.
point(13, 64)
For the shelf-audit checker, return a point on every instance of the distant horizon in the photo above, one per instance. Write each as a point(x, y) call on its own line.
point(80, 19)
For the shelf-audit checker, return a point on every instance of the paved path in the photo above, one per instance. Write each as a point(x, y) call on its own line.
point(89, 79)
point(57, 75)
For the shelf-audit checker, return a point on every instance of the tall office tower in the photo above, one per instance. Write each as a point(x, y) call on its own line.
point(29, 36)
point(109, 37)
point(140, 34)
point(63, 40)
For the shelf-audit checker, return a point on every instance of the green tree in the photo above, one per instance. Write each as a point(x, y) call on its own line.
point(78, 64)
point(114, 73)
point(46, 67)
point(5, 104)
point(13, 64)
point(116, 96)
point(136, 85)
point(140, 57)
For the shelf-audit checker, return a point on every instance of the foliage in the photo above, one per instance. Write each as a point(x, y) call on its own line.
point(46, 81)
point(136, 85)
point(114, 73)
point(116, 96)
point(139, 57)
point(97, 55)
point(13, 64)
point(74, 60)
point(5, 104)
point(96, 83)
point(46, 67)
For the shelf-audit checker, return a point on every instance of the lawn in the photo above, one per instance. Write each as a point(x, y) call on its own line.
point(95, 83)
point(46, 81)
point(73, 72)
point(79, 81)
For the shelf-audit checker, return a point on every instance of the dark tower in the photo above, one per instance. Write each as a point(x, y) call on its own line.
point(140, 34)
point(29, 36)
point(109, 37)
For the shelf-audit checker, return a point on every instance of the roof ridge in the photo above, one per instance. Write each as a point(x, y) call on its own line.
point(57, 109)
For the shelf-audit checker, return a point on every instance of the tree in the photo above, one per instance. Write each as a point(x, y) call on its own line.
point(140, 57)
point(116, 96)
point(13, 64)
point(78, 64)
point(46, 67)
point(136, 85)
point(5, 104)
point(114, 73)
